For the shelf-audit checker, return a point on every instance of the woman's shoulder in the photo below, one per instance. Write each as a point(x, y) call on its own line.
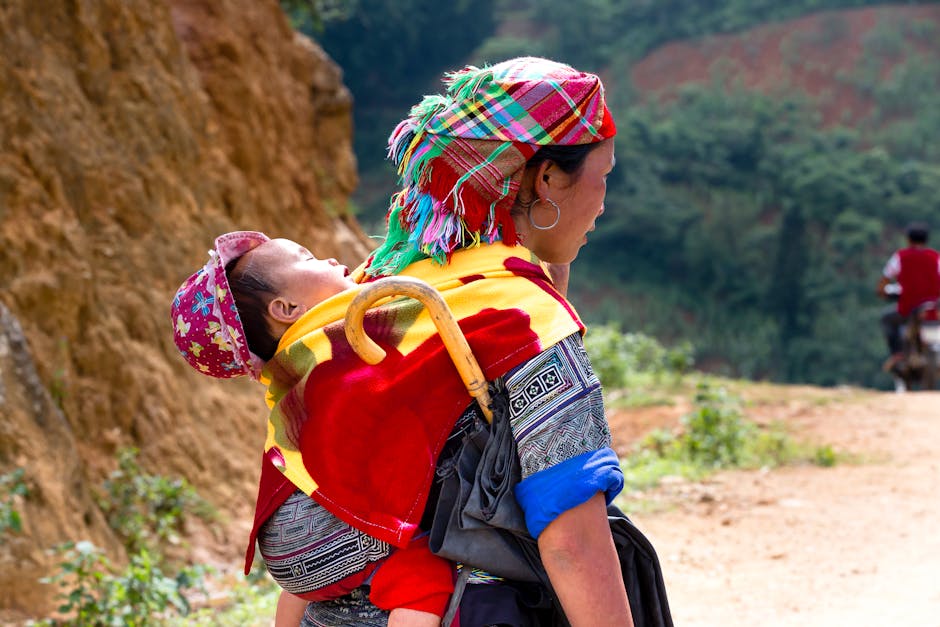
point(570, 350)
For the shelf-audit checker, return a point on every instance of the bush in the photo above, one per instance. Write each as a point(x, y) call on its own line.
point(714, 435)
point(93, 594)
point(715, 432)
point(250, 604)
point(616, 356)
point(145, 509)
point(11, 486)
point(825, 456)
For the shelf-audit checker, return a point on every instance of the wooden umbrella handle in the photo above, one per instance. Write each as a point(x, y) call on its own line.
point(454, 340)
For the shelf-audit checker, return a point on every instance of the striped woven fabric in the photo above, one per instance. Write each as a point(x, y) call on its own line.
point(363, 440)
point(461, 155)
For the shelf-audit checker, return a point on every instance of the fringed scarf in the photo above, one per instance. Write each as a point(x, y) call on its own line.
point(461, 155)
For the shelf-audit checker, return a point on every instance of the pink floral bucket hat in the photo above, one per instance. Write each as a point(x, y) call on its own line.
point(206, 327)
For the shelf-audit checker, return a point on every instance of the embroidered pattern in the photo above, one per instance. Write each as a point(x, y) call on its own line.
point(306, 548)
point(352, 609)
point(556, 407)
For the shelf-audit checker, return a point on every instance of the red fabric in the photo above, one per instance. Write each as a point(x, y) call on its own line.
point(377, 478)
point(412, 401)
point(413, 578)
point(274, 488)
point(608, 128)
point(919, 278)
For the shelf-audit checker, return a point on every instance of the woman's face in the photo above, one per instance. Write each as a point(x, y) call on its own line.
point(580, 199)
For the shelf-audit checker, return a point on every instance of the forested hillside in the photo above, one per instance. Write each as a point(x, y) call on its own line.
point(769, 155)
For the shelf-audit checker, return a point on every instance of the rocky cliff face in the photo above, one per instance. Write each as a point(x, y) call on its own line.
point(131, 133)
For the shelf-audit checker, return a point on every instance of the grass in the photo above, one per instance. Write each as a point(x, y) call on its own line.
point(716, 435)
point(652, 389)
point(242, 602)
point(763, 393)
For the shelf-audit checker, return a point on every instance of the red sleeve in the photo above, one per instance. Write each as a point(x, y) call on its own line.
point(413, 578)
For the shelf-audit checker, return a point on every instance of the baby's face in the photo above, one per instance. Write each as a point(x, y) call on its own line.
point(297, 274)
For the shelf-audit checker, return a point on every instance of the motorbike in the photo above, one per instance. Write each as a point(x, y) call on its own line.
point(920, 346)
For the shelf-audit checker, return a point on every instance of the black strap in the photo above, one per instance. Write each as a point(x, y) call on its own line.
point(459, 586)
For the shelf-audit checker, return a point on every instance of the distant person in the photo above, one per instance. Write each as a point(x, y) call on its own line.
point(916, 271)
point(228, 319)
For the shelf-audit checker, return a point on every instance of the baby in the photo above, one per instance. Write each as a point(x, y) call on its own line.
point(228, 319)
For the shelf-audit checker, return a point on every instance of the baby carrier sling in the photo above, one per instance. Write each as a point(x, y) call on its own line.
point(477, 520)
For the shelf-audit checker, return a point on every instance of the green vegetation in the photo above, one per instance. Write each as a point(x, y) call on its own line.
point(825, 456)
point(760, 234)
point(391, 53)
point(311, 16)
point(93, 592)
point(631, 28)
point(388, 50)
point(148, 510)
point(758, 231)
point(11, 487)
point(250, 603)
point(619, 358)
point(715, 435)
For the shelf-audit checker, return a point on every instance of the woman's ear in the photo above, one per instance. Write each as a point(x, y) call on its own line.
point(283, 310)
point(548, 178)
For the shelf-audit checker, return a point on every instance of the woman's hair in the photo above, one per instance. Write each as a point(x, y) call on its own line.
point(252, 293)
point(569, 158)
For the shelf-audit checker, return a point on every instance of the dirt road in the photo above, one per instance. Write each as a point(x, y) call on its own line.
point(856, 544)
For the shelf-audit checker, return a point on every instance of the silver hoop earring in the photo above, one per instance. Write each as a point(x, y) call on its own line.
point(550, 226)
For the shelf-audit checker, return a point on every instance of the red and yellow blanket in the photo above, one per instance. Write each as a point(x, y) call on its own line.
point(363, 440)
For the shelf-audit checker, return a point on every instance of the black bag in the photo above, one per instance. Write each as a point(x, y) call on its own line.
point(478, 522)
point(477, 519)
point(642, 574)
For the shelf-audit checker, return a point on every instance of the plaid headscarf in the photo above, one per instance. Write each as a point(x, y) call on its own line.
point(461, 155)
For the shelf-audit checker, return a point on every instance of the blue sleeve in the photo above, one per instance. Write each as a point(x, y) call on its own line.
point(546, 494)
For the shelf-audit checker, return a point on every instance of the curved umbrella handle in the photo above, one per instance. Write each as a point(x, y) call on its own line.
point(454, 340)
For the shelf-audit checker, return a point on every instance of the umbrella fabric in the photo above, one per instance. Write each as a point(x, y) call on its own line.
point(477, 520)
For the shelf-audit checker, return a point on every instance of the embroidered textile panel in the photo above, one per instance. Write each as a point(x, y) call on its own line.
point(556, 407)
point(307, 548)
